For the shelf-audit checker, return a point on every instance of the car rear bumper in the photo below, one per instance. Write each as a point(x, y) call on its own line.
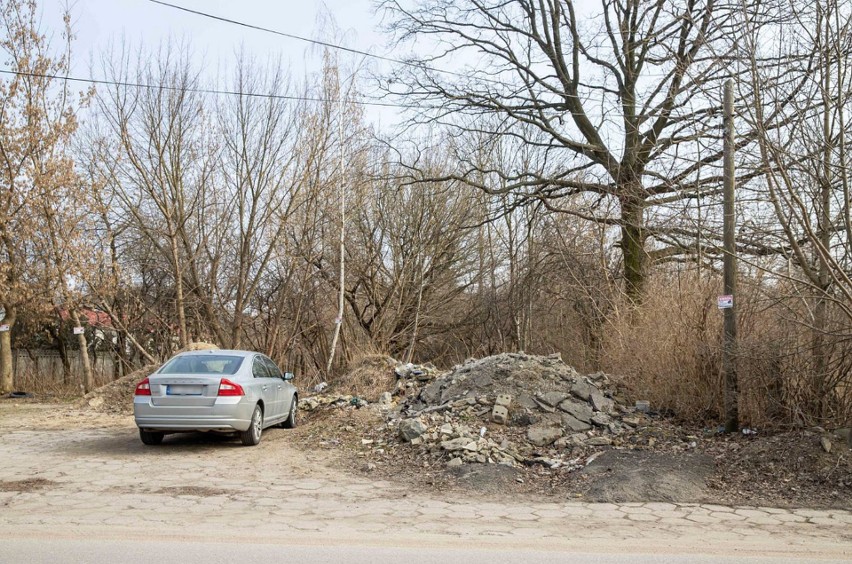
point(225, 415)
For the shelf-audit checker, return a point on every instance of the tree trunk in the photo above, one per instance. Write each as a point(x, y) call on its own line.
point(88, 382)
point(633, 246)
point(7, 375)
point(237, 328)
point(824, 230)
point(410, 353)
point(179, 297)
point(62, 346)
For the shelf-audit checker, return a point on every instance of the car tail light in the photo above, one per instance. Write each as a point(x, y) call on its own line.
point(228, 388)
point(143, 388)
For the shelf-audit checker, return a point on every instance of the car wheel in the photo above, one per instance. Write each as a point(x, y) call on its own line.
point(291, 421)
point(251, 436)
point(151, 437)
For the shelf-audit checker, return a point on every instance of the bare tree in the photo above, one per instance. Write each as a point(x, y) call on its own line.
point(262, 160)
point(164, 164)
point(410, 255)
point(37, 119)
point(615, 101)
point(807, 187)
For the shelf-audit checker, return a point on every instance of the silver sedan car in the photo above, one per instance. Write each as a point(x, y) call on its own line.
point(220, 391)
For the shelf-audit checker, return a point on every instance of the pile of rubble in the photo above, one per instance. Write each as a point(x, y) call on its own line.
point(408, 376)
point(512, 409)
point(117, 396)
point(315, 402)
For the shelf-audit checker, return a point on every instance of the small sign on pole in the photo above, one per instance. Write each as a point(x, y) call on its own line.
point(79, 330)
point(725, 302)
point(4, 328)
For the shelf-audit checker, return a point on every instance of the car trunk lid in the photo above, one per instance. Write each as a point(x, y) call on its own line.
point(184, 390)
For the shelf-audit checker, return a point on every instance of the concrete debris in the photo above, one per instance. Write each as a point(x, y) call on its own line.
point(543, 436)
point(580, 411)
point(552, 399)
point(582, 390)
point(410, 429)
point(536, 410)
point(315, 402)
point(420, 372)
point(461, 443)
point(631, 421)
point(601, 403)
point(503, 400)
point(96, 401)
point(572, 423)
point(511, 409)
point(499, 414)
point(598, 441)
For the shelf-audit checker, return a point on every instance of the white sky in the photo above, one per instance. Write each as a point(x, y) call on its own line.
point(99, 23)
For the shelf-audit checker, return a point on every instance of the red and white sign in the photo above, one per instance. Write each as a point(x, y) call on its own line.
point(79, 330)
point(725, 302)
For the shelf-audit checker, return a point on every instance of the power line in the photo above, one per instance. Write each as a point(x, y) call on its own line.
point(318, 42)
point(198, 90)
point(216, 92)
point(330, 45)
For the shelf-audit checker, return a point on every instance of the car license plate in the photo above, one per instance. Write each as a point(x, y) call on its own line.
point(183, 390)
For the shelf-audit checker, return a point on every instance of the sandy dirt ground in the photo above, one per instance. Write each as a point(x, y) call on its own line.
point(68, 472)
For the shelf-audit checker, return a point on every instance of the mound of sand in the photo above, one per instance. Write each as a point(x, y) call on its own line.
point(117, 396)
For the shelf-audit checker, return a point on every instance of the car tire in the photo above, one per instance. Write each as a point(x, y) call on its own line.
point(251, 436)
point(291, 420)
point(151, 437)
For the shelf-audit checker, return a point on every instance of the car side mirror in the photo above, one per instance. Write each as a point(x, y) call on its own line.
point(289, 375)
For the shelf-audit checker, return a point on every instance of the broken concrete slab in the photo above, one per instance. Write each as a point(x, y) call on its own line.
point(411, 429)
point(601, 402)
point(540, 435)
point(573, 424)
point(581, 411)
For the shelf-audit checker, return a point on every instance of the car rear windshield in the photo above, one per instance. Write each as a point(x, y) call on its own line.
point(203, 364)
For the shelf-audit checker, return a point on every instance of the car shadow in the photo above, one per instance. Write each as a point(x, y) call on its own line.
point(127, 442)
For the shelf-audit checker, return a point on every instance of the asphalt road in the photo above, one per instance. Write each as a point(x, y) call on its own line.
point(94, 551)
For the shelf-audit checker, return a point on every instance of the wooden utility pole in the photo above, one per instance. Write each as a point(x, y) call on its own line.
point(729, 361)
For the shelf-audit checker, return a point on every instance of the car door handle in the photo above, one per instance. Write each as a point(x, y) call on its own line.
point(279, 387)
point(264, 388)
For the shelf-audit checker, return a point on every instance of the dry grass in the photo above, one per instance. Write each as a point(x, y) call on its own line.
point(367, 377)
point(55, 388)
point(670, 353)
